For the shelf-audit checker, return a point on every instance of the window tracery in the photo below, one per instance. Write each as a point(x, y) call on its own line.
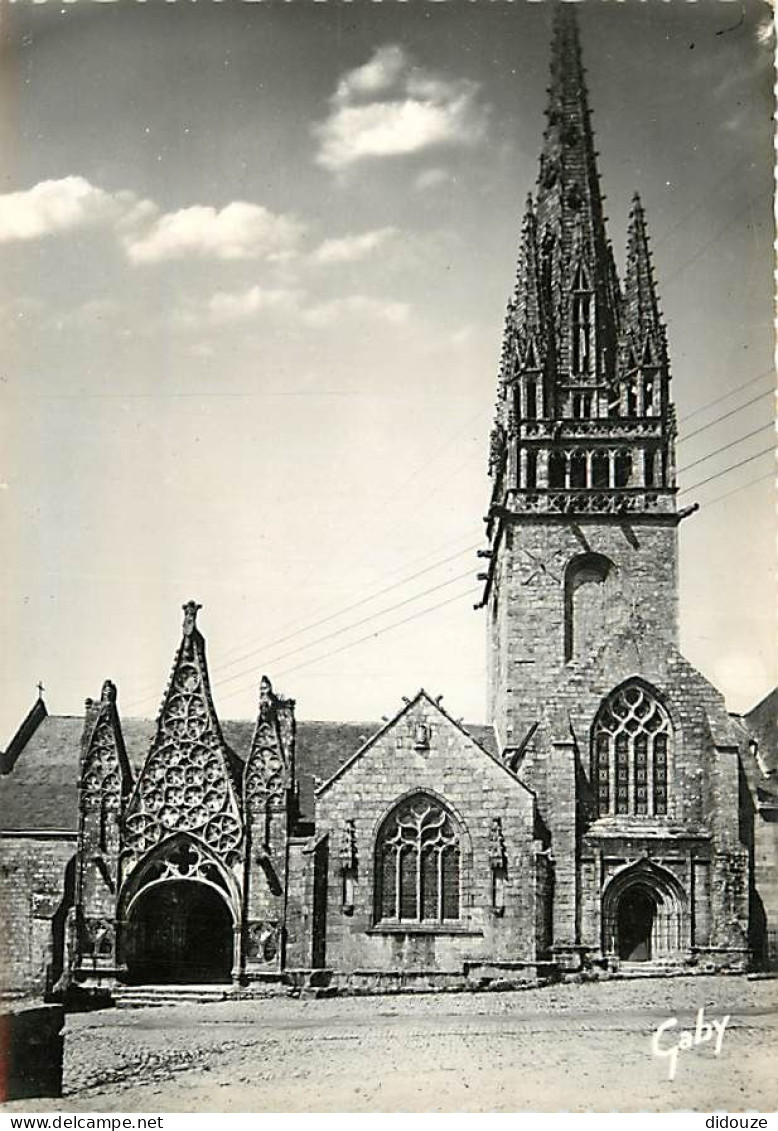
point(418, 864)
point(630, 749)
point(185, 785)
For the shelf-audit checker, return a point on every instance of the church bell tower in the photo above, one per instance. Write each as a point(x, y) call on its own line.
point(582, 517)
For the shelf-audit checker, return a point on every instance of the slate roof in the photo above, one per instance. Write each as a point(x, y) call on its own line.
point(41, 792)
point(762, 721)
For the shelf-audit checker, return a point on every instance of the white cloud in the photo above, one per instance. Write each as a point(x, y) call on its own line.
point(337, 310)
point(238, 231)
point(378, 74)
point(59, 206)
point(236, 306)
point(388, 107)
point(350, 249)
point(225, 307)
point(432, 178)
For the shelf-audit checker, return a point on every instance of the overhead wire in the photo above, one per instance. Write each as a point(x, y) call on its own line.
point(725, 416)
point(726, 396)
point(364, 639)
point(726, 470)
point(349, 627)
point(726, 447)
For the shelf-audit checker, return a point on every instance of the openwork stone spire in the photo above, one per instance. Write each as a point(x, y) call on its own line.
point(583, 422)
point(571, 225)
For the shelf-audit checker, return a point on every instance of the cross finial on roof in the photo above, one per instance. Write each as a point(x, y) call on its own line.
point(191, 609)
point(41, 688)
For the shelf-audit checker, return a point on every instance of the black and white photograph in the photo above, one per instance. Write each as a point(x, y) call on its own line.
point(388, 702)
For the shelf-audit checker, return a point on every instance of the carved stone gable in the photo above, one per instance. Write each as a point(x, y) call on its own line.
point(268, 766)
point(103, 762)
point(186, 784)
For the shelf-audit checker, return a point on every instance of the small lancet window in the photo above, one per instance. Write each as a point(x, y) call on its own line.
point(531, 394)
point(649, 474)
point(582, 312)
point(632, 399)
point(578, 469)
point(623, 468)
point(600, 469)
point(532, 470)
point(556, 470)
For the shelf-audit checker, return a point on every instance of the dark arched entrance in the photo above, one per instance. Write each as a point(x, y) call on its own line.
point(179, 931)
point(634, 925)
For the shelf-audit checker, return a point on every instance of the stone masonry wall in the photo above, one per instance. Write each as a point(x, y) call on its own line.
point(527, 634)
point(32, 887)
point(477, 790)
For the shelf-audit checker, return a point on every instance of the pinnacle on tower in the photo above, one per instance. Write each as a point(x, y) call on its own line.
point(527, 306)
point(642, 329)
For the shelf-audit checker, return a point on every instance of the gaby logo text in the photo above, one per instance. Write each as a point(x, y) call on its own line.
point(668, 1040)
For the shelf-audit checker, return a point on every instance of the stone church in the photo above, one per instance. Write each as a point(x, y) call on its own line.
point(611, 813)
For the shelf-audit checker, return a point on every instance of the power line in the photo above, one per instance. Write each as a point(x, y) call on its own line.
point(151, 694)
point(714, 239)
point(719, 498)
point(349, 608)
point(363, 639)
point(732, 444)
point(664, 236)
point(348, 627)
point(725, 416)
point(726, 471)
point(406, 580)
point(725, 396)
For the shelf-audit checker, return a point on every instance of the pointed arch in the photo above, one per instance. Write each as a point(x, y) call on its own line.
point(644, 913)
point(418, 862)
point(179, 857)
point(631, 751)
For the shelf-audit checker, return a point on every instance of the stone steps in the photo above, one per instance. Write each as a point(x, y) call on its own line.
point(136, 997)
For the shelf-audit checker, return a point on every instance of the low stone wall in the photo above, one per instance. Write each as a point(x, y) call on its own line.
point(31, 1046)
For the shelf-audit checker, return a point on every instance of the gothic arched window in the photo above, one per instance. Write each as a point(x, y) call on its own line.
point(600, 470)
point(623, 466)
point(581, 324)
point(417, 859)
point(630, 748)
point(556, 470)
point(578, 469)
point(532, 470)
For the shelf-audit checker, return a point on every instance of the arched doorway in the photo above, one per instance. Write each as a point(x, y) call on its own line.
point(179, 931)
point(634, 926)
point(645, 915)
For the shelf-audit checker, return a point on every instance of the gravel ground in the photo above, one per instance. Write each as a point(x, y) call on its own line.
point(567, 1047)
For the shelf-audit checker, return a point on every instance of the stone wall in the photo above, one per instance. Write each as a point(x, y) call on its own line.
point(34, 874)
point(526, 616)
point(477, 791)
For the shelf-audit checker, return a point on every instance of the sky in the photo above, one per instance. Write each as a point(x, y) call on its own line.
point(256, 258)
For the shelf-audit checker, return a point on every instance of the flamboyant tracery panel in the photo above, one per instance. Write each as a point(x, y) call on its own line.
point(101, 769)
point(417, 863)
point(630, 744)
point(186, 785)
point(266, 771)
